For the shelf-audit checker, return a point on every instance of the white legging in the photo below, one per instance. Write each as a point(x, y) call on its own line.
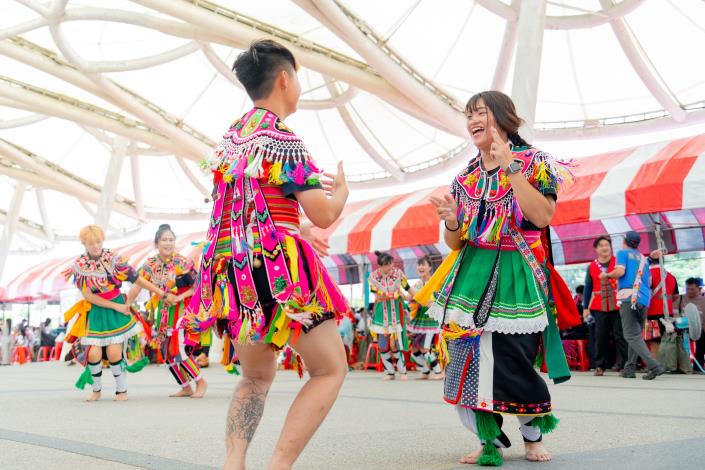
point(530, 433)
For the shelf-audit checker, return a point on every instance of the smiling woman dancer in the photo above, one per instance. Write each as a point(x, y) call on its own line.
point(494, 304)
point(105, 320)
point(175, 274)
point(259, 280)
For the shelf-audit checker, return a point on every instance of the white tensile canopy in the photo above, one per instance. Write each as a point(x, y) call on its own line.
point(107, 106)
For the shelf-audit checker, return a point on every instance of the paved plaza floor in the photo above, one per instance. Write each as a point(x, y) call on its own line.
point(606, 423)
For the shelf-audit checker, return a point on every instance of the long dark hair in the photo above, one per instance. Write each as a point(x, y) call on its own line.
point(161, 230)
point(504, 112)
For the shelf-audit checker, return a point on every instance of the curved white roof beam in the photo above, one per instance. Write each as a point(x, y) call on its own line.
point(36, 6)
point(35, 229)
point(194, 180)
point(43, 214)
point(506, 52)
point(394, 170)
point(195, 148)
point(53, 104)
point(236, 30)
point(643, 66)
point(142, 62)
point(47, 61)
point(225, 71)
point(603, 131)
point(61, 180)
point(587, 20)
point(27, 226)
point(23, 121)
point(358, 35)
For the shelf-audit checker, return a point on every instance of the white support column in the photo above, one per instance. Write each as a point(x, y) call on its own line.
point(112, 177)
point(137, 183)
point(13, 217)
point(46, 222)
point(527, 66)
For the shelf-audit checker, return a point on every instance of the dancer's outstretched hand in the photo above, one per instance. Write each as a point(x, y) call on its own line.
point(319, 245)
point(446, 208)
point(333, 183)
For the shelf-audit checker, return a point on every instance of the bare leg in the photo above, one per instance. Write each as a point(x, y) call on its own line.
point(324, 356)
point(258, 369)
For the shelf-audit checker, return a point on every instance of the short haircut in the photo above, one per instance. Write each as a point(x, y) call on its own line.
point(580, 289)
point(600, 238)
point(692, 282)
point(257, 67)
point(91, 234)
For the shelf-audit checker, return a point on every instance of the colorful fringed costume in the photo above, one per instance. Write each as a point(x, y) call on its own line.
point(96, 326)
point(423, 332)
point(389, 321)
point(176, 276)
point(259, 280)
point(497, 304)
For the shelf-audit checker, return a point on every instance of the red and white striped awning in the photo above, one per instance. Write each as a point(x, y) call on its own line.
point(613, 193)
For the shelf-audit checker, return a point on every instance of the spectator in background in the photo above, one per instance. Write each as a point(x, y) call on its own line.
point(600, 299)
point(694, 296)
point(588, 321)
point(46, 338)
point(634, 280)
point(667, 290)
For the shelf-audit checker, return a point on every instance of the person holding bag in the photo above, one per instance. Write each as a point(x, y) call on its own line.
point(634, 294)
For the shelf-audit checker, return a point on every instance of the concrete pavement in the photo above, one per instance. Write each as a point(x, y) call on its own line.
point(607, 422)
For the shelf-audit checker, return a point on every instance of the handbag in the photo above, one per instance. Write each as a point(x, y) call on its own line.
point(652, 330)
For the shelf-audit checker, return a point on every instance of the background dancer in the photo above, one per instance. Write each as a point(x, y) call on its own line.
point(104, 319)
point(175, 274)
point(389, 321)
point(424, 329)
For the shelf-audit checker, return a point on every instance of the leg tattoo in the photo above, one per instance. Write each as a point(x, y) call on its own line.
point(246, 410)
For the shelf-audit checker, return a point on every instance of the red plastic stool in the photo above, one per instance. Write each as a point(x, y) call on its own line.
point(578, 357)
point(376, 364)
point(43, 355)
point(410, 365)
point(20, 355)
point(55, 354)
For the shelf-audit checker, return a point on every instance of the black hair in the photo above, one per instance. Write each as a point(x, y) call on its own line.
point(424, 260)
point(504, 112)
point(580, 289)
point(384, 258)
point(257, 67)
point(634, 244)
point(161, 230)
point(692, 281)
point(600, 238)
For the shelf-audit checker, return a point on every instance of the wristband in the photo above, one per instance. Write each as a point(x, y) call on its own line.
point(445, 222)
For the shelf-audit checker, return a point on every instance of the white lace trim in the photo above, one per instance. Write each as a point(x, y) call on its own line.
point(117, 339)
point(381, 330)
point(494, 324)
point(420, 330)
